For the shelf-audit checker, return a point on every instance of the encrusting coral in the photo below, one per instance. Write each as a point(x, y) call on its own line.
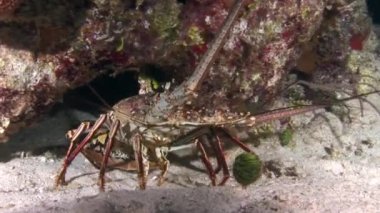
point(49, 47)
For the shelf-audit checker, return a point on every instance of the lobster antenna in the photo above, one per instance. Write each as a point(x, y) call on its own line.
point(208, 58)
point(104, 102)
point(265, 116)
point(186, 90)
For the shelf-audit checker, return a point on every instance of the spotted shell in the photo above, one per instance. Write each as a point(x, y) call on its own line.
point(8, 6)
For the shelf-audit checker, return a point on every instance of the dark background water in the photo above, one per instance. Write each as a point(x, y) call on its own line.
point(374, 10)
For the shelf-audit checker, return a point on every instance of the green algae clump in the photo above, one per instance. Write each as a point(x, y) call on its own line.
point(247, 168)
point(286, 136)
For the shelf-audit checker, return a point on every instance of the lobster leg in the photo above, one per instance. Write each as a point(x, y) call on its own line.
point(208, 137)
point(163, 165)
point(222, 159)
point(110, 141)
point(73, 136)
point(142, 166)
point(220, 152)
point(200, 136)
point(235, 140)
point(206, 161)
point(72, 153)
point(216, 144)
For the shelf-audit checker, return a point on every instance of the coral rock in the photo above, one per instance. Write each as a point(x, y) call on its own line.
point(57, 45)
point(7, 7)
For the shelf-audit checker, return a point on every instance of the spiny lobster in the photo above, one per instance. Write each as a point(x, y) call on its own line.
point(139, 127)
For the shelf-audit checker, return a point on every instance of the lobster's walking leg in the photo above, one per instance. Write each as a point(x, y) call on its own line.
point(208, 137)
point(71, 154)
point(220, 155)
point(110, 141)
point(73, 136)
point(206, 161)
point(216, 144)
point(235, 140)
point(164, 166)
point(141, 165)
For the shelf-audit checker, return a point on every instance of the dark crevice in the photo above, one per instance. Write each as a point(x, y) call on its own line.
point(159, 75)
point(182, 1)
point(111, 89)
point(373, 10)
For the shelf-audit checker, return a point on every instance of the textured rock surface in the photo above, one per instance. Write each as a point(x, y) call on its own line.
point(328, 166)
point(7, 7)
point(48, 47)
